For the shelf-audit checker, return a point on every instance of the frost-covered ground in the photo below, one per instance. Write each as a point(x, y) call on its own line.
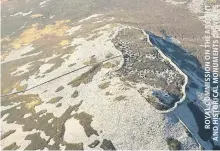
point(107, 108)
point(96, 106)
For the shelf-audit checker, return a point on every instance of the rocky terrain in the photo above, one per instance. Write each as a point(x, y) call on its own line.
point(143, 64)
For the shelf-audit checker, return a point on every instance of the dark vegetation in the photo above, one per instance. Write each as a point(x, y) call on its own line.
point(173, 144)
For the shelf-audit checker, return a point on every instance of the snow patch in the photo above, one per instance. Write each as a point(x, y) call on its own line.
point(73, 29)
point(90, 17)
point(21, 14)
point(74, 131)
point(45, 67)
